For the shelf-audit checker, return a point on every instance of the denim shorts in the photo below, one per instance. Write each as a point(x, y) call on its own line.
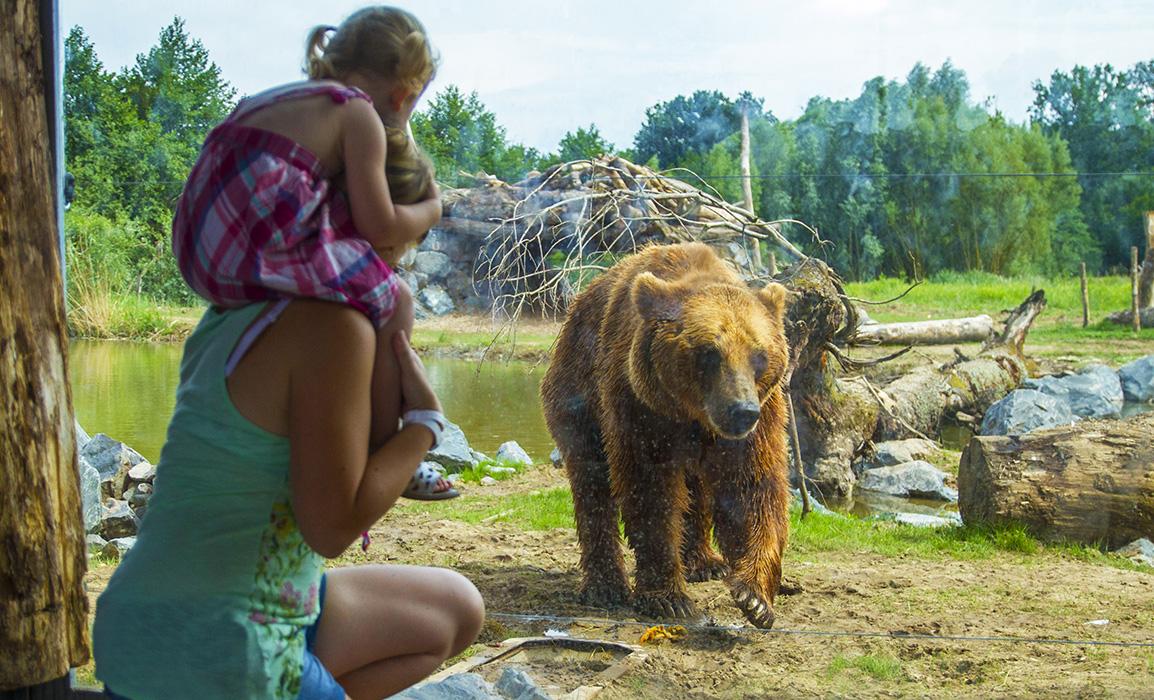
point(316, 681)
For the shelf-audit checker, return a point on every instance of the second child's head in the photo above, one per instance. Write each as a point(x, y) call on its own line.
point(385, 43)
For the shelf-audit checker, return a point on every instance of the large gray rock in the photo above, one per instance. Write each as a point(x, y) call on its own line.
point(915, 479)
point(460, 686)
point(515, 684)
point(454, 453)
point(511, 451)
point(1140, 550)
point(1137, 379)
point(117, 548)
point(113, 460)
point(1095, 392)
point(436, 300)
point(117, 520)
point(89, 494)
point(82, 436)
point(1023, 410)
point(893, 452)
point(435, 265)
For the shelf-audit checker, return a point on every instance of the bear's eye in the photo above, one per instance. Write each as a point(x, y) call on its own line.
point(760, 363)
point(708, 359)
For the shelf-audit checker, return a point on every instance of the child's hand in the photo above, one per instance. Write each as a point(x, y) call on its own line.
point(416, 392)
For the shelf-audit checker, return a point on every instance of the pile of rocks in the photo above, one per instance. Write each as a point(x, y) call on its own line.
point(900, 469)
point(116, 482)
point(1047, 402)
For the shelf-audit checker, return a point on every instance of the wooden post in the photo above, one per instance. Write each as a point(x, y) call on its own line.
point(1085, 297)
point(772, 264)
point(43, 606)
point(1146, 278)
point(747, 184)
point(1135, 309)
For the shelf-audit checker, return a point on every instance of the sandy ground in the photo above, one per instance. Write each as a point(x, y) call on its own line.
point(852, 624)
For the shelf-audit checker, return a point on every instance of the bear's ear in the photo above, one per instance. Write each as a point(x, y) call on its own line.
point(774, 296)
point(655, 298)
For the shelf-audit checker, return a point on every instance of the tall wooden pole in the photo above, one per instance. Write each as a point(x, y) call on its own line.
point(43, 606)
point(1146, 277)
point(747, 184)
point(1085, 297)
point(1135, 309)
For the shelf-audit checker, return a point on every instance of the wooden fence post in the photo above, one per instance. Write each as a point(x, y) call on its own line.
point(1146, 278)
point(1135, 309)
point(1085, 297)
point(43, 605)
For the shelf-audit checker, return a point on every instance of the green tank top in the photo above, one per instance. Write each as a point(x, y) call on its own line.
point(214, 598)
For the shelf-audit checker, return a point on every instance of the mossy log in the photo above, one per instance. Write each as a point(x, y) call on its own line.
point(1092, 482)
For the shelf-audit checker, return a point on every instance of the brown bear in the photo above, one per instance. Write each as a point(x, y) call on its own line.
point(664, 396)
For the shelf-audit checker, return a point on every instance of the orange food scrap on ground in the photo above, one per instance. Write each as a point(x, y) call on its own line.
point(659, 632)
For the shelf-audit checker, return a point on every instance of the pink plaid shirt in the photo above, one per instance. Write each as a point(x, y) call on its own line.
point(258, 221)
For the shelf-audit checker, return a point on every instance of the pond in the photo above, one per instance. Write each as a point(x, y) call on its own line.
point(127, 391)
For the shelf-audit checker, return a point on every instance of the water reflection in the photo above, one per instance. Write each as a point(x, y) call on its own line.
point(127, 390)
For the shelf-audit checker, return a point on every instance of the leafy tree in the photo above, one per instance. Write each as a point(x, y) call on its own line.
point(684, 125)
point(583, 144)
point(1107, 118)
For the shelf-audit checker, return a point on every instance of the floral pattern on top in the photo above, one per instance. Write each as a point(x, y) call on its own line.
point(285, 597)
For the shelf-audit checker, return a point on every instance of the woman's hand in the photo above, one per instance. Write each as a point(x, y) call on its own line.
point(416, 392)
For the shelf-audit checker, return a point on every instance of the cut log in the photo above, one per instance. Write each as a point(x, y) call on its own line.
point(43, 606)
point(941, 332)
point(1092, 482)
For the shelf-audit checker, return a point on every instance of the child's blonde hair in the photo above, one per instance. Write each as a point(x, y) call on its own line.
point(409, 171)
point(385, 41)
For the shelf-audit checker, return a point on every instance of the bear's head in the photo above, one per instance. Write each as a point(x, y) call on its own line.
point(716, 349)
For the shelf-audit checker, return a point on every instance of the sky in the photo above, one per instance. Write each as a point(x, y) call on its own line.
point(548, 67)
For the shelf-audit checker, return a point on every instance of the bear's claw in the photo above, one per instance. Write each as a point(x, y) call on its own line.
point(664, 606)
point(701, 569)
point(758, 611)
point(604, 594)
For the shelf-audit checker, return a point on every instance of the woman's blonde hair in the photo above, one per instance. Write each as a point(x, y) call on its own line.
point(385, 41)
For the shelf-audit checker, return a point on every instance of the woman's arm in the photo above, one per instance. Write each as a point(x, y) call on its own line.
point(363, 148)
point(340, 489)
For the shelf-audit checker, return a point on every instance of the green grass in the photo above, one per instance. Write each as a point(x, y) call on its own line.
point(474, 474)
point(879, 667)
point(535, 510)
point(460, 342)
point(94, 311)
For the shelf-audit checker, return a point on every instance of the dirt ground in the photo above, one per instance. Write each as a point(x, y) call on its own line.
point(852, 624)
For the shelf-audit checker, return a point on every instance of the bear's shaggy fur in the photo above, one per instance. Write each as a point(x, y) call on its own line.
point(664, 396)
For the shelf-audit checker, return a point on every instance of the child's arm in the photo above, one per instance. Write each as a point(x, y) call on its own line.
point(383, 223)
point(339, 488)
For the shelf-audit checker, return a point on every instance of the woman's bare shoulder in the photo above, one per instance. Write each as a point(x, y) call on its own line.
point(314, 326)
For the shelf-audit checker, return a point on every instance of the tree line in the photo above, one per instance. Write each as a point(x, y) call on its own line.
point(911, 177)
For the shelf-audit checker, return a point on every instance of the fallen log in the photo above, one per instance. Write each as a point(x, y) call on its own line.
point(940, 332)
point(1092, 482)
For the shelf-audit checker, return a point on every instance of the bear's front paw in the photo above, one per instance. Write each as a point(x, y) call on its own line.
point(704, 567)
point(664, 606)
point(601, 593)
point(757, 610)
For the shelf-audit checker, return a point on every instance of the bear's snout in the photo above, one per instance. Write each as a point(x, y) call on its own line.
point(739, 418)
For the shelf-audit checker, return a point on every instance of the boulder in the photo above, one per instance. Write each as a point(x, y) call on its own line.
point(555, 458)
point(515, 684)
point(113, 460)
point(117, 548)
point(94, 542)
point(117, 520)
point(434, 298)
point(435, 265)
point(82, 437)
point(894, 452)
point(512, 452)
point(1023, 410)
point(1095, 392)
point(143, 472)
point(915, 479)
point(460, 686)
point(1140, 550)
point(1137, 379)
point(923, 520)
point(454, 453)
point(89, 494)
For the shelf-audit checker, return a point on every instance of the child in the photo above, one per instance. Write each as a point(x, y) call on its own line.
point(289, 197)
point(264, 470)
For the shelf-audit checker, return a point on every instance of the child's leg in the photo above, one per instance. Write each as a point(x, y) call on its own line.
point(383, 628)
point(386, 389)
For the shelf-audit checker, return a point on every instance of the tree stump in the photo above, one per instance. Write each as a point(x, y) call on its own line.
point(1092, 482)
point(43, 606)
